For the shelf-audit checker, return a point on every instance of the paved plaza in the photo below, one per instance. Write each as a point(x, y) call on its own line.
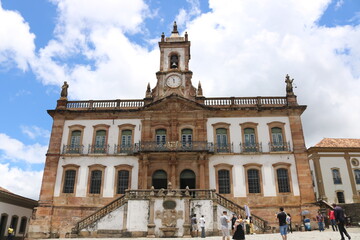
point(316, 235)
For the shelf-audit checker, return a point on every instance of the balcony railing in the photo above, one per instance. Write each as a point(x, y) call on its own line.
point(175, 146)
point(126, 149)
point(251, 147)
point(73, 149)
point(223, 148)
point(98, 149)
point(279, 146)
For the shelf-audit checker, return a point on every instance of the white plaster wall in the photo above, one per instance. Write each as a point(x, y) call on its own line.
point(12, 210)
point(180, 51)
point(113, 134)
point(326, 163)
point(262, 129)
point(203, 207)
point(112, 221)
point(109, 177)
point(138, 215)
point(267, 171)
point(312, 168)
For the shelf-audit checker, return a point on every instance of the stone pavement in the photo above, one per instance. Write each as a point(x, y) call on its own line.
point(316, 235)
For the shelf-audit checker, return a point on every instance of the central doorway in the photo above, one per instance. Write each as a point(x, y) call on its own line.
point(159, 179)
point(187, 178)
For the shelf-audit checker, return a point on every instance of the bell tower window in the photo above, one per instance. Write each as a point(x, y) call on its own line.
point(174, 61)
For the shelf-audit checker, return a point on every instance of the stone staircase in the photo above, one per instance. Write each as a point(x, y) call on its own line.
point(191, 195)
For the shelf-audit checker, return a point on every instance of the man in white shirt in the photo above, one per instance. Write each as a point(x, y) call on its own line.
point(224, 221)
point(202, 225)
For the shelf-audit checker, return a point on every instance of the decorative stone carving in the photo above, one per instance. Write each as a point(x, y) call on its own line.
point(169, 217)
point(64, 91)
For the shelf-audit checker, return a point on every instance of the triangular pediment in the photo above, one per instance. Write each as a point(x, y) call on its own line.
point(175, 103)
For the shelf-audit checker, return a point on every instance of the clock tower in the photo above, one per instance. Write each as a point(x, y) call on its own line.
point(174, 76)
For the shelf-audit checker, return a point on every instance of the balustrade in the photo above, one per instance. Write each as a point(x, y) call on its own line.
point(279, 146)
point(99, 149)
point(73, 149)
point(251, 147)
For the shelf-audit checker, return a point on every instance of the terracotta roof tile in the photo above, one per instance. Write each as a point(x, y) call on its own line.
point(339, 143)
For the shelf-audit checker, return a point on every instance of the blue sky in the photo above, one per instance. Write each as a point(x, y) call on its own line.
point(108, 50)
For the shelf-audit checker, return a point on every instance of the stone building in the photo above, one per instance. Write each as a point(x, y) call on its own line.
point(108, 154)
point(334, 163)
point(15, 211)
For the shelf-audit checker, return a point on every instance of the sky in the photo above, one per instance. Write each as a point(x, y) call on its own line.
point(107, 49)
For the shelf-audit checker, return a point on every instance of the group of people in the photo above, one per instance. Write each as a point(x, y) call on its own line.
point(239, 226)
point(336, 216)
point(195, 228)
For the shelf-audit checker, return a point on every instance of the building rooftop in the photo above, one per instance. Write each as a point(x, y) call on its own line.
point(339, 143)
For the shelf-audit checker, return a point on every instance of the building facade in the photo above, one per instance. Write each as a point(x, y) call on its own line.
point(16, 212)
point(251, 150)
point(334, 163)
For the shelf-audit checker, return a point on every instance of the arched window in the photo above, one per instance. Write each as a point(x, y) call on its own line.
point(174, 61)
point(69, 181)
point(160, 136)
point(357, 176)
point(187, 179)
point(253, 181)
point(123, 181)
point(75, 141)
point(224, 181)
point(126, 136)
point(340, 196)
point(14, 223)
point(277, 137)
point(283, 180)
point(336, 176)
point(95, 182)
point(222, 140)
point(23, 224)
point(159, 179)
point(100, 141)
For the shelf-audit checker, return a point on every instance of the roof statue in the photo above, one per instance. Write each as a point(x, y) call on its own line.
point(289, 85)
point(64, 91)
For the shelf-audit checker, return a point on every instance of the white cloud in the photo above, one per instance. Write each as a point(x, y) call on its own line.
point(15, 150)
point(16, 42)
point(35, 131)
point(23, 183)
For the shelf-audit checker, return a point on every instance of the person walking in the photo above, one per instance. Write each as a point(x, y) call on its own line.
point(202, 225)
point(332, 220)
point(224, 221)
point(233, 220)
point(340, 220)
point(289, 223)
point(239, 233)
point(281, 216)
point(320, 221)
point(194, 226)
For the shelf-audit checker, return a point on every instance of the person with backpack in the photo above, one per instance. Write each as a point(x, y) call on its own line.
point(281, 216)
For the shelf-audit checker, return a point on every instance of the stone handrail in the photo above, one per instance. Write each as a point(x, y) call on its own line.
point(257, 221)
point(246, 101)
point(112, 104)
point(99, 214)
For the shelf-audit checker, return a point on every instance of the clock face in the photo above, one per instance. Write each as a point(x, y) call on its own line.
point(173, 81)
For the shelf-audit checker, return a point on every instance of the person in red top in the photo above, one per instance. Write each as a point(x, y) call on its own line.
point(332, 220)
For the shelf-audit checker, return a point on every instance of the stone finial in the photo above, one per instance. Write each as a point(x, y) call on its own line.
point(175, 28)
point(289, 85)
point(162, 37)
point(148, 91)
point(186, 36)
point(64, 91)
point(199, 90)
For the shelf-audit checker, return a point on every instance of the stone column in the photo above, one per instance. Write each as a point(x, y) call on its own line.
point(143, 173)
point(151, 224)
point(201, 164)
point(187, 225)
point(172, 164)
point(319, 178)
point(352, 179)
point(215, 218)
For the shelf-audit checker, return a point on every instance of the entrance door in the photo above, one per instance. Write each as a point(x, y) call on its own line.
point(159, 179)
point(187, 178)
point(3, 222)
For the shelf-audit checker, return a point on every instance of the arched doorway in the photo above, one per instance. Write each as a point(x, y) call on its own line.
point(187, 178)
point(159, 179)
